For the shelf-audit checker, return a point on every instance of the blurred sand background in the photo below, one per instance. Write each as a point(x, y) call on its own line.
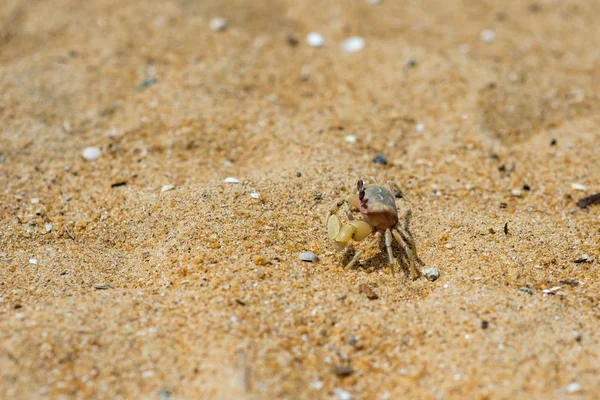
point(198, 292)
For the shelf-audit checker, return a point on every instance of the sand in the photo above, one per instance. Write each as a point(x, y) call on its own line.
point(198, 292)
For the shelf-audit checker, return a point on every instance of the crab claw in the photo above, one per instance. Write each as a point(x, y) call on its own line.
point(340, 234)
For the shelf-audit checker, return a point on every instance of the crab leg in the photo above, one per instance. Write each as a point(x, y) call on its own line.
point(372, 243)
point(388, 245)
point(409, 247)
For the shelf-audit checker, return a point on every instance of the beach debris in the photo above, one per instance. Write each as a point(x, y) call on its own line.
point(380, 159)
point(589, 200)
point(167, 188)
point(573, 387)
point(33, 261)
point(48, 227)
point(552, 290)
point(218, 24)
point(506, 228)
point(342, 371)
point(431, 273)
point(117, 184)
point(254, 195)
point(240, 302)
point(353, 44)
point(526, 290)
point(350, 139)
point(578, 186)
point(91, 153)
point(368, 291)
point(308, 256)
point(584, 258)
point(147, 83)
point(487, 35)
point(230, 179)
point(103, 286)
point(569, 282)
point(341, 394)
point(292, 40)
point(315, 39)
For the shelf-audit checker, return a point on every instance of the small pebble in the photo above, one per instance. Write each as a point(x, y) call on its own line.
point(308, 257)
point(315, 39)
point(573, 387)
point(551, 290)
point(350, 139)
point(33, 261)
point(231, 180)
point(353, 44)
point(420, 127)
point(488, 35)
point(341, 394)
point(260, 260)
point(578, 186)
point(449, 246)
point(526, 187)
point(48, 227)
point(380, 159)
point(218, 24)
point(91, 153)
point(35, 201)
point(305, 73)
point(517, 192)
point(431, 273)
point(374, 1)
point(343, 371)
point(254, 195)
point(167, 187)
point(526, 290)
point(368, 291)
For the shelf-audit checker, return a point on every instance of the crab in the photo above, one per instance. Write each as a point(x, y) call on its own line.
point(380, 217)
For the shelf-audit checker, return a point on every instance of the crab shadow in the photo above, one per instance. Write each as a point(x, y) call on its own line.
point(377, 261)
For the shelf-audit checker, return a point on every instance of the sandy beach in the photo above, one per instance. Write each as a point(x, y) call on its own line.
point(164, 264)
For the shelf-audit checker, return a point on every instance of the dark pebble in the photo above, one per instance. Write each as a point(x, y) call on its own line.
point(502, 168)
point(484, 324)
point(553, 142)
point(526, 187)
point(343, 371)
point(298, 174)
point(380, 159)
point(117, 184)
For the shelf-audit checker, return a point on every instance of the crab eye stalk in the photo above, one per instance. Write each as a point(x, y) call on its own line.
point(361, 190)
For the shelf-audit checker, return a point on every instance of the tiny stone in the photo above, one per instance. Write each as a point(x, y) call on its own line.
point(33, 261)
point(292, 40)
point(517, 192)
point(552, 290)
point(315, 39)
point(35, 201)
point(231, 180)
point(298, 174)
point(488, 35)
point(573, 387)
point(553, 142)
point(526, 290)
point(304, 73)
point(308, 256)
point(431, 274)
point(218, 24)
point(48, 227)
point(343, 371)
point(353, 44)
point(368, 291)
point(167, 187)
point(380, 159)
point(484, 324)
point(526, 187)
point(342, 394)
point(91, 153)
point(374, 1)
point(449, 245)
point(350, 139)
point(420, 127)
point(103, 286)
point(578, 186)
point(260, 260)
point(254, 195)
